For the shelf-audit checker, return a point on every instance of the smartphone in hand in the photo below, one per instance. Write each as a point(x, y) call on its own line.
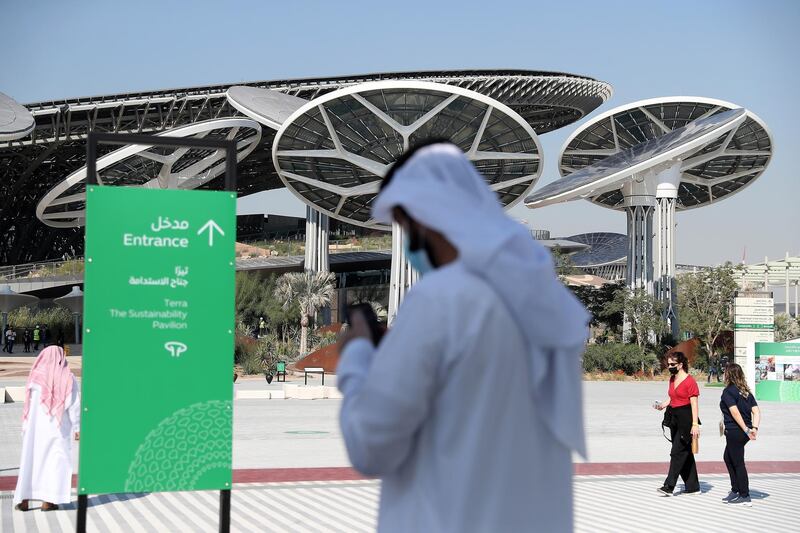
point(375, 328)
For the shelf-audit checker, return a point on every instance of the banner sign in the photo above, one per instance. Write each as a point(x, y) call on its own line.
point(158, 340)
point(777, 371)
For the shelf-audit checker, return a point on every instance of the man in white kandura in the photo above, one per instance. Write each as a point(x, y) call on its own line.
point(470, 407)
point(51, 417)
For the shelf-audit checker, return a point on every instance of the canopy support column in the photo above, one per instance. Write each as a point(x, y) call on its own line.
point(665, 287)
point(402, 275)
point(316, 257)
point(640, 248)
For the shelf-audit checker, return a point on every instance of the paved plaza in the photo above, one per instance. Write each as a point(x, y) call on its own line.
point(603, 504)
point(299, 441)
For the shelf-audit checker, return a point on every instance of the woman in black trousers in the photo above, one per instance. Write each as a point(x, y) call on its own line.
point(683, 407)
point(741, 416)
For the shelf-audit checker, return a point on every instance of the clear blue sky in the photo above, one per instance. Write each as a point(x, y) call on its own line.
point(741, 51)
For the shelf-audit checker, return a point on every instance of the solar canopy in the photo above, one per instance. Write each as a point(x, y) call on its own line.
point(333, 152)
point(608, 174)
point(56, 147)
point(717, 171)
point(15, 121)
point(603, 248)
point(161, 167)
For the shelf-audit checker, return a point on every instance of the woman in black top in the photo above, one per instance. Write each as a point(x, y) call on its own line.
point(741, 417)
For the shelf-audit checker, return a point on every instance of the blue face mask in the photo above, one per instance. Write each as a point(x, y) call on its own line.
point(418, 259)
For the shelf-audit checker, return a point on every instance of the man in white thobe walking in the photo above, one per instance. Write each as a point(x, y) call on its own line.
point(470, 407)
point(50, 419)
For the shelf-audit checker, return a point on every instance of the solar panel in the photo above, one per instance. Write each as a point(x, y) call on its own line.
point(717, 171)
point(603, 248)
point(334, 151)
point(609, 173)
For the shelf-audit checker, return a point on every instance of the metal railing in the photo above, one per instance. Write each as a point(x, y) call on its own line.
point(43, 269)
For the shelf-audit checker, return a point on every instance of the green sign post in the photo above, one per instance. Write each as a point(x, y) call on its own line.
point(157, 398)
point(158, 340)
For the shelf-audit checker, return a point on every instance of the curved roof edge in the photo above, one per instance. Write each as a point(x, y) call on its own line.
point(352, 78)
point(659, 100)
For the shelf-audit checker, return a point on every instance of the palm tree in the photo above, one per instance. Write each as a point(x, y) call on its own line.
point(311, 291)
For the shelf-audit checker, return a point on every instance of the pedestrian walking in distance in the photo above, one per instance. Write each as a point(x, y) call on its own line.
point(37, 336)
point(26, 339)
point(684, 423)
point(11, 337)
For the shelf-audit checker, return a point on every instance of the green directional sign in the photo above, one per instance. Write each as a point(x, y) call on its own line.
point(158, 340)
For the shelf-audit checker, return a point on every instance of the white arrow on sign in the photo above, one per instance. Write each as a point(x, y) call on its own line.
point(211, 226)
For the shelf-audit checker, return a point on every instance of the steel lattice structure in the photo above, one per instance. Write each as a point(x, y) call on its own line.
point(31, 166)
point(64, 206)
point(713, 173)
point(334, 151)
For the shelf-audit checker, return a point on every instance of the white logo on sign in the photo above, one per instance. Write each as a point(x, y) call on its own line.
point(175, 348)
point(211, 226)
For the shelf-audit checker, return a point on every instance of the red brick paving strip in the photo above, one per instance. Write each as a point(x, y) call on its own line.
point(278, 475)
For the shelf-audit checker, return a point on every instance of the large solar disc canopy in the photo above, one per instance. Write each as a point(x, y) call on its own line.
point(716, 172)
point(645, 176)
point(604, 256)
point(621, 170)
point(333, 152)
point(16, 121)
point(152, 167)
point(56, 147)
point(603, 248)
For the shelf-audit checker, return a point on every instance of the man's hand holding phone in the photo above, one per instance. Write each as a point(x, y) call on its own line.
point(362, 322)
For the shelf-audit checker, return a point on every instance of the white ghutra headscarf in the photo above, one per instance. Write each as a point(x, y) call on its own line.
point(440, 188)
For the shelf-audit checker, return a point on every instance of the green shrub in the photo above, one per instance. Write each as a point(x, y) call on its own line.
point(611, 357)
point(57, 320)
point(242, 346)
point(251, 362)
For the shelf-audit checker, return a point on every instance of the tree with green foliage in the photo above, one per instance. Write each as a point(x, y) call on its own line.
point(563, 263)
point(643, 312)
point(309, 291)
point(596, 300)
point(705, 303)
point(255, 298)
point(58, 321)
point(786, 327)
point(252, 297)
